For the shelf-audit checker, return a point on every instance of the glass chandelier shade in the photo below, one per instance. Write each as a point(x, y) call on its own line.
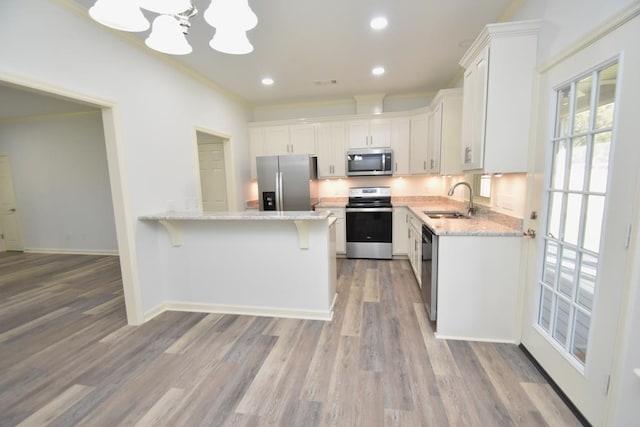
point(123, 15)
point(232, 41)
point(165, 7)
point(230, 18)
point(167, 36)
point(231, 13)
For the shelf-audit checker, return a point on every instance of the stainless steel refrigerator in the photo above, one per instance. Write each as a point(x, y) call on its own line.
point(287, 183)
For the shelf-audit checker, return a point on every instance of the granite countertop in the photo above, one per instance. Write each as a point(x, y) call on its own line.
point(484, 223)
point(333, 202)
point(249, 215)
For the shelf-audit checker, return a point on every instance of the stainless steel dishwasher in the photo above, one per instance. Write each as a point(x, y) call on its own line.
point(429, 288)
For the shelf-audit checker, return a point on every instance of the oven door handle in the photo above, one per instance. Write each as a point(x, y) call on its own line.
point(368, 209)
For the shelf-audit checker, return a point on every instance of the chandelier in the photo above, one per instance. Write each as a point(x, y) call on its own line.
point(230, 18)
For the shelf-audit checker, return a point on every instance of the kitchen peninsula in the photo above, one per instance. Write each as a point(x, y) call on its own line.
point(257, 263)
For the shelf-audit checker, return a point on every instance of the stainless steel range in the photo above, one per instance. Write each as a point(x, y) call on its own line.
point(369, 218)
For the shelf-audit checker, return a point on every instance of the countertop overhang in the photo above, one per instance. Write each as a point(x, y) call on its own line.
point(249, 215)
point(170, 220)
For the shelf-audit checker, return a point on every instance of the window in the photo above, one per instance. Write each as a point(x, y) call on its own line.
point(482, 186)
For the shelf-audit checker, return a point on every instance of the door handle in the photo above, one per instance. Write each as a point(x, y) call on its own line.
point(12, 210)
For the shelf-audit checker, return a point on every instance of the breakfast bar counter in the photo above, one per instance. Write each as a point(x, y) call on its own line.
point(251, 262)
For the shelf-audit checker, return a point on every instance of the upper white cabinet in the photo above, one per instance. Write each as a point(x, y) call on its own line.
point(280, 140)
point(276, 140)
point(332, 150)
point(498, 87)
point(418, 146)
point(302, 139)
point(369, 133)
point(400, 134)
point(445, 133)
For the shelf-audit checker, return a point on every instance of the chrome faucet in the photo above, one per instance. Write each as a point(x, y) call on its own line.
point(472, 209)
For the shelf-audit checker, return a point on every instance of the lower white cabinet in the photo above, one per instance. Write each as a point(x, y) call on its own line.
point(478, 288)
point(400, 231)
point(341, 231)
point(414, 242)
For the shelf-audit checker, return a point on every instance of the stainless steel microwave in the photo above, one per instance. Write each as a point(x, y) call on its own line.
point(371, 161)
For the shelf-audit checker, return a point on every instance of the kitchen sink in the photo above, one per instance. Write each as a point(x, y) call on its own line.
point(445, 215)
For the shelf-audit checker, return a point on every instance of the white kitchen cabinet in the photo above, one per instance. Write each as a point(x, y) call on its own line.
point(498, 94)
point(302, 139)
point(400, 137)
point(331, 150)
point(371, 133)
point(288, 139)
point(400, 231)
point(256, 148)
point(418, 145)
point(276, 140)
point(341, 232)
point(414, 242)
point(478, 288)
point(445, 133)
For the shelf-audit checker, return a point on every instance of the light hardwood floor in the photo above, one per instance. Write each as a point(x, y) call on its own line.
point(68, 358)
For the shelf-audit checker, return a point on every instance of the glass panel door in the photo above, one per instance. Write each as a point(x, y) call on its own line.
point(576, 196)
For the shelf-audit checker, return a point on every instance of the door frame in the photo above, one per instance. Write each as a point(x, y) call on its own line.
point(3, 246)
point(121, 199)
point(228, 166)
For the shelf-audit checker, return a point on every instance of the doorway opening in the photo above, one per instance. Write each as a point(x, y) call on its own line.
point(215, 162)
point(49, 101)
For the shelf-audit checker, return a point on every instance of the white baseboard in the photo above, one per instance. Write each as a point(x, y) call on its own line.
point(71, 251)
point(155, 311)
point(478, 339)
point(239, 310)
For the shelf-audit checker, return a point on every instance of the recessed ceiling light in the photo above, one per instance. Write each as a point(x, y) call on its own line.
point(378, 71)
point(267, 81)
point(379, 23)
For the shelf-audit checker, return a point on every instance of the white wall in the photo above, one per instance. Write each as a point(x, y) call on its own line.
point(338, 107)
point(567, 21)
point(61, 182)
point(156, 107)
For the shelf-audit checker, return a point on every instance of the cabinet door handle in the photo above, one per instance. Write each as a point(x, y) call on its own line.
point(396, 166)
point(432, 162)
point(425, 165)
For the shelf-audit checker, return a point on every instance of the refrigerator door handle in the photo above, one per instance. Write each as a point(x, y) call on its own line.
point(279, 198)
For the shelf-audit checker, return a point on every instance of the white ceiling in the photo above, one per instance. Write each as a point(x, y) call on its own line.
point(297, 42)
point(18, 102)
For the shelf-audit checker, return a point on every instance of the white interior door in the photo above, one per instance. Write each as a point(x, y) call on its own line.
point(586, 173)
point(10, 232)
point(213, 177)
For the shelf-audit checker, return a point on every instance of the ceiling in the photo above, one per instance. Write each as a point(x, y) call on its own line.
point(19, 102)
point(299, 42)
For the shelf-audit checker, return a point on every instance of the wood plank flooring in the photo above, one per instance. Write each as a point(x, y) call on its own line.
point(68, 358)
